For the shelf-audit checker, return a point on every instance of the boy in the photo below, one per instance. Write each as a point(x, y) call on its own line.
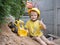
point(35, 26)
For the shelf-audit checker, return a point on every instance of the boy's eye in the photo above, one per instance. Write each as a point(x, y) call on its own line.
point(31, 15)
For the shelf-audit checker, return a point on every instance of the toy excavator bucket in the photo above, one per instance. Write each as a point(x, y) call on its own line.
point(22, 33)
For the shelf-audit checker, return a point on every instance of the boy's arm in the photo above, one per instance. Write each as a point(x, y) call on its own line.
point(43, 26)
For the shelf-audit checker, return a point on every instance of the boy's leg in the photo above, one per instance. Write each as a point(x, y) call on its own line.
point(47, 41)
point(39, 40)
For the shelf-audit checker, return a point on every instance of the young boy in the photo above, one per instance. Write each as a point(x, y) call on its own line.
point(35, 26)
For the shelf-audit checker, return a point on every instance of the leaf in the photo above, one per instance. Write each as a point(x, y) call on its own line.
point(15, 8)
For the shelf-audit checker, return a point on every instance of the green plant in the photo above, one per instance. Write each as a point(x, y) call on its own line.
point(15, 8)
point(0, 30)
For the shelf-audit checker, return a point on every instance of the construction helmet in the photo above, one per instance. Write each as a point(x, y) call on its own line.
point(34, 9)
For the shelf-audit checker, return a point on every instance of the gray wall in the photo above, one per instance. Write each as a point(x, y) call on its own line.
point(50, 12)
point(58, 17)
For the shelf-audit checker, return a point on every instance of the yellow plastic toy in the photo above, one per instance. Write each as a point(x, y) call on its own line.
point(22, 32)
point(20, 25)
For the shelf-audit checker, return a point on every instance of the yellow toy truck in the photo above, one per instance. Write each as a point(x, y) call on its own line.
point(18, 27)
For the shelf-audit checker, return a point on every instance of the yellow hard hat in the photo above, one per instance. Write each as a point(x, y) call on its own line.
point(34, 9)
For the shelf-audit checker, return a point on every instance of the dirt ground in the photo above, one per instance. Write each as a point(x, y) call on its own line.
point(7, 37)
point(57, 41)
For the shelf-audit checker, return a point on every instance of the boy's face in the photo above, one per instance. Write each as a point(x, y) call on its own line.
point(33, 16)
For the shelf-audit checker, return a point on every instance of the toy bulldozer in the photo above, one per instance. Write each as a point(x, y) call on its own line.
point(18, 27)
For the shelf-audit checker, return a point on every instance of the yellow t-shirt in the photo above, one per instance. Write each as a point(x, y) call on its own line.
point(34, 28)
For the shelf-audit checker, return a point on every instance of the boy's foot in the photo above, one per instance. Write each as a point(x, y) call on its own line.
point(51, 43)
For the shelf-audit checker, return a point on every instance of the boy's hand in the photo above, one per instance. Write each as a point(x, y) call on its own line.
point(41, 21)
point(43, 25)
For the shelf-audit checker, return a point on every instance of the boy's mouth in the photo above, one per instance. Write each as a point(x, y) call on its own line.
point(33, 19)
